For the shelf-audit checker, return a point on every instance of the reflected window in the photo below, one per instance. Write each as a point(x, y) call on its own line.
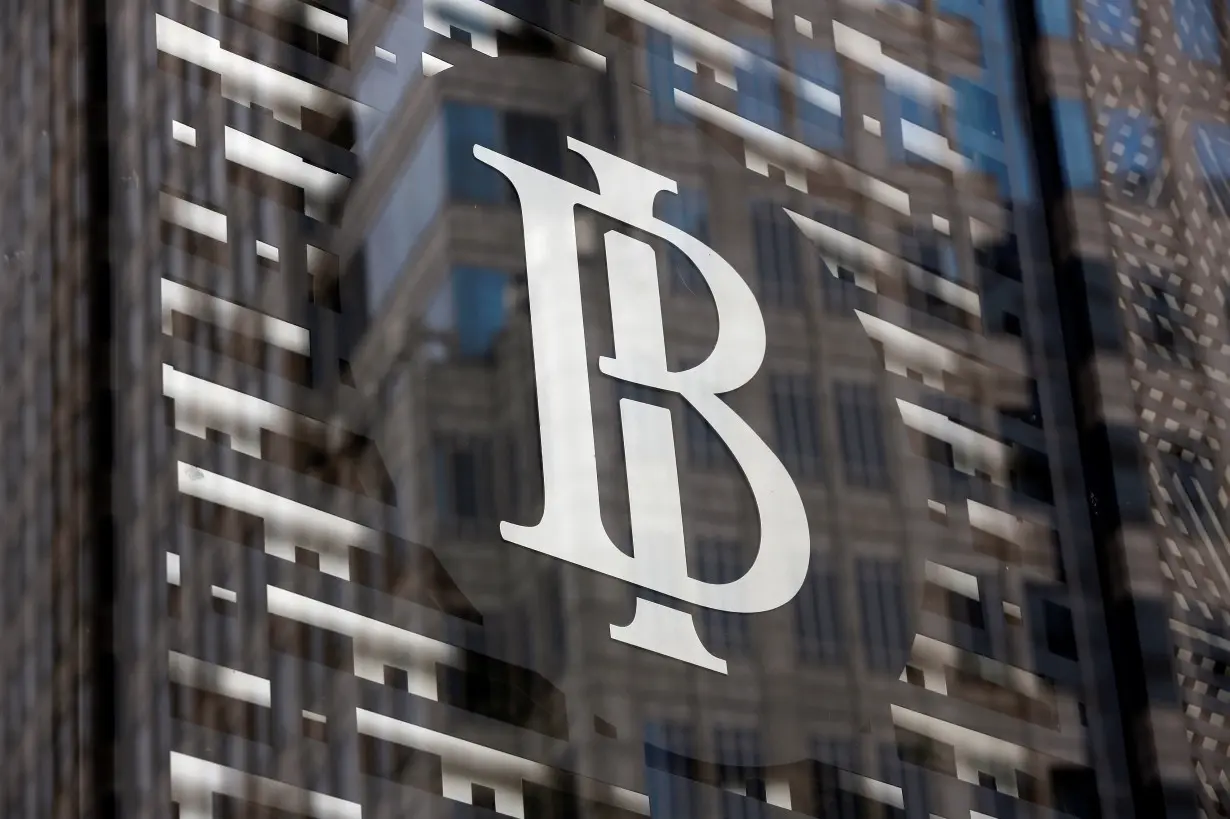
point(819, 98)
point(792, 401)
point(904, 115)
point(1113, 22)
point(842, 295)
point(881, 591)
point(1163, 322)
point(818, 623)
point(978, 108)
point(479, 296)
point(970, 9)
point(777, 255)
point(928, 249)
point(665, 75)
point(1060, 633)
point(534, 140)
point(861, 429)
point(462, 480)
point(759, 96)
point(1054, 17)
point(835, 754)
point(467, 126)
point(980, 133)
point(1075, 144)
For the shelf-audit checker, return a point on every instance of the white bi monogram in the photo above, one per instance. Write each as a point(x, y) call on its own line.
point(571, 527)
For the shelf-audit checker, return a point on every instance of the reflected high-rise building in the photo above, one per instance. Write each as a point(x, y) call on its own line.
point(1130, 107)
point(279, 393)
point(867, 170)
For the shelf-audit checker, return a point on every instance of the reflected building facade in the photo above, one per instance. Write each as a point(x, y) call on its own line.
point(1131, 109)
point(885, 210)
point(305, 430)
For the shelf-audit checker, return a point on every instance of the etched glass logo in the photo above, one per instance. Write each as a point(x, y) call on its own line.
point(571, 527)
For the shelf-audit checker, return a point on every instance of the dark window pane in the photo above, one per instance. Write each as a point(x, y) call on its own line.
point(717, 561)
point(777, 254)
point(465, 127)
point(864, 459)
point(881, 602)
point(1060, 633)
point(796, 434)
point(818, 627)
point(536, 141)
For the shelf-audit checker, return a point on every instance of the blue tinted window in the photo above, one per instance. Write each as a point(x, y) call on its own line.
point(467, 126)
point(665, 76)
point(819, 97)
point(1113, 22)
point(1075, 144)
point(980, 130)
point(977, 108)
point(1055, 17)
point(759, 96)
point(1196, 29)
point(478, 299)
point(961, 8)
point(995, 169)
point(899, 108)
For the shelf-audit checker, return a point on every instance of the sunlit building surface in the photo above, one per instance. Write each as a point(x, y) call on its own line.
point(987, 263)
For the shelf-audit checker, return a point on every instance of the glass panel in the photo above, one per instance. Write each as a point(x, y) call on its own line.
point(1075, 148)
